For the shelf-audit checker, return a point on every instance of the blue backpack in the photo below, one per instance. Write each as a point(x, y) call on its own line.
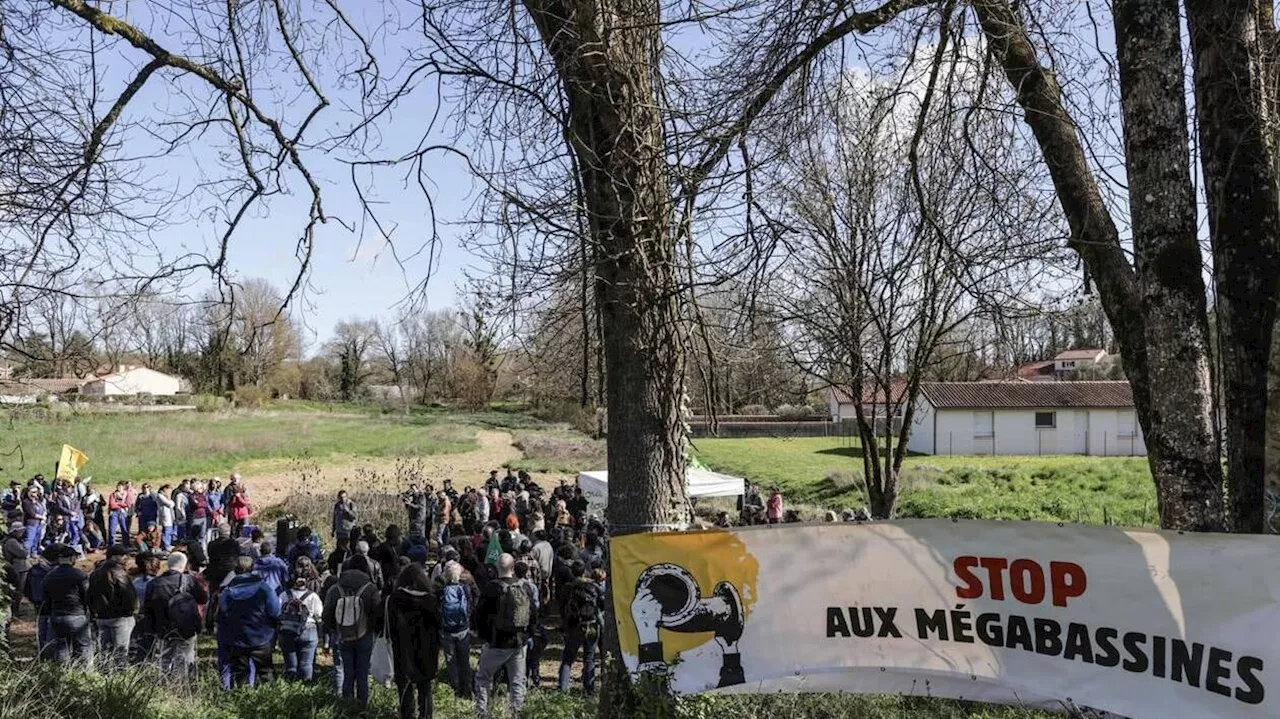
point(455, 614)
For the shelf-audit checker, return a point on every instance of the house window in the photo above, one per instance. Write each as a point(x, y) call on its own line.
point(1046, 420)
point(1128, 423)
point(984, 425)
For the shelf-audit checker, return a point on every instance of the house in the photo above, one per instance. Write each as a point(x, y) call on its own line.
point(1026, 418)
point(843, 408)
point(1072, 360)
point(29, 391)
point(129, 380)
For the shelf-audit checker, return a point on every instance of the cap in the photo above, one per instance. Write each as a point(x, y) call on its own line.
point(417, 553)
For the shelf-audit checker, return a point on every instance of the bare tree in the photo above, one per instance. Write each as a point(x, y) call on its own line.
point(349, 346)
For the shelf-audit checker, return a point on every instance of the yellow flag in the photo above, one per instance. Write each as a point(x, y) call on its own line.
point(71, 462)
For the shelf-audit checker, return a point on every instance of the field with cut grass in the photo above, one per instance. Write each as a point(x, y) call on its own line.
point(828, 472)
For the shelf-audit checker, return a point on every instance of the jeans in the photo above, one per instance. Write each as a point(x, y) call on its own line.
point(355, 668)
point(335, 649)
point(299, 654)
point(457, 659)
point(74, 534)
point(415, 697)
point(491, 660)
point(586, 638)
point(251, 666)
point(35, 531)
point(178, 657)
point(113, 641)
point(44, 636)
point(537, 645)
point(166, 536)
point(71, 638)
point(196, 531)
point(117, 521)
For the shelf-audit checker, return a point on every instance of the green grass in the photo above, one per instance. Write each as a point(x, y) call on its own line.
point(559, 450)
point(154, 446)
point(828, 472)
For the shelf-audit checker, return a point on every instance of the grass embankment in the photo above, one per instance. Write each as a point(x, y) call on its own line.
point(47, 692)
point(828, 472)
point(153, 446)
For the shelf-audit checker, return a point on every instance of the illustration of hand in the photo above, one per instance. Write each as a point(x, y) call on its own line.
point(646, 612)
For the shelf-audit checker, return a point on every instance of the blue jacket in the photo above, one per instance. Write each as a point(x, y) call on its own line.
point(147, 509)
point(247, 612)
point(273, 570)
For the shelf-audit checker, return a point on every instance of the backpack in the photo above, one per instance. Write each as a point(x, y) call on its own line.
point(294, 614)
point(580, 606)
point(349, 614)
point(455, 613)
point(183, 611)
point(514, 608)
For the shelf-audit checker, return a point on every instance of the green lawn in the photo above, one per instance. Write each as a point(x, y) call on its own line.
point(152, 446)
point(827, 472)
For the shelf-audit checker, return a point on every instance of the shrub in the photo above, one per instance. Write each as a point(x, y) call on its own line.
point(210, 403)
point(252, 396)
point(756, 409)
point(801, 411)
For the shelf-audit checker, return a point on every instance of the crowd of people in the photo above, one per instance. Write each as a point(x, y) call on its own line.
point(503, 564)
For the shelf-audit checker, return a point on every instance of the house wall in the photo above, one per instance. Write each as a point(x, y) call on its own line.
point(1078, 431)
point(136, 381)
point(921, 439)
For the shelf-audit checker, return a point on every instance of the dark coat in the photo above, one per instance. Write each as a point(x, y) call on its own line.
point(111, 592)
point(414, 626)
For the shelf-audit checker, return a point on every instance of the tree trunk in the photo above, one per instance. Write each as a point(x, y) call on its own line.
point(1234, 94)
point(1172, 356)
point(605, 54)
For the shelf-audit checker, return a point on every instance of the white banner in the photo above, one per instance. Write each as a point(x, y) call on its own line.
point(1142, 624)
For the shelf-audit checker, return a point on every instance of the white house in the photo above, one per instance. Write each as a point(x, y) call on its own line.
point(843, 407)
point(133, 380)
point(1072, 360)
point(1018, 417)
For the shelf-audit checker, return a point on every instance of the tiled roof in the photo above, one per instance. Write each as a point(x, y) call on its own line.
point(1079, 354)
point(999, 395)
point(872, 392)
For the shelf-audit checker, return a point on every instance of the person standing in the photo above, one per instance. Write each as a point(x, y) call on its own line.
point(147, 508)
point(580, 613)
point(300, 615)
point(273, 570)
point(773, 510)
point(171, 615)
point(198, 514)
point(114, 601)
point(248, 609)
point(16, 556)
point(413, 621)
point(351, 608)
point(118, 516)
point(502, 620)
point(164, 510)
point(215, 496)
point(66, 603)
point(456, 608)
point(68, 505)
point(344, 517)
point(415, 505)
point(34, 513)
point(238, 508)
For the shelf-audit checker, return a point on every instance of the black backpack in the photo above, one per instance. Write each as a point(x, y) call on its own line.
point(183, 611)
point(581, 604)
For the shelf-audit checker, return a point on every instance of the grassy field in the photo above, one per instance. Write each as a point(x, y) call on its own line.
point(826, 472)
point(153, 446)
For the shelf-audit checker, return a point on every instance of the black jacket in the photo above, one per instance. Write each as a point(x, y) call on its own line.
point(15, 554)
point(111, 593)
point(414, 625)
point(155, 613)
point(222, 560)
point(66, 592)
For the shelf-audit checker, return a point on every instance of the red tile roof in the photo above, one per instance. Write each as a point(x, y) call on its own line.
point(872, 392)
point(1001, 395)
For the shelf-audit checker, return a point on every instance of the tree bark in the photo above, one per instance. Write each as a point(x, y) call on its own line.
point(1234, 97)
point(1151, 310)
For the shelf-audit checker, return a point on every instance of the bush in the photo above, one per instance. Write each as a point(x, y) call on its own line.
point(252, 396)
point(210, 403)
point(756, 409)
point(801, 411)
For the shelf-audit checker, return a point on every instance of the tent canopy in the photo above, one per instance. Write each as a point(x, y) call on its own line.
point(698, 482)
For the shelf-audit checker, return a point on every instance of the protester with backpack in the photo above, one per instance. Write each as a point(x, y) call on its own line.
point(456, 609)
point(248, 609)
point(580, 613)
point(114, 601)
point(351, 608)
point(300, 616)
point(502, 618)
point(173, 615)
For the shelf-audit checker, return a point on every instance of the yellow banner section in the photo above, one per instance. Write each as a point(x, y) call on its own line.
point(70, 462)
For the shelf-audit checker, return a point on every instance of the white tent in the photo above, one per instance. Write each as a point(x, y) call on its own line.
point(699, 482)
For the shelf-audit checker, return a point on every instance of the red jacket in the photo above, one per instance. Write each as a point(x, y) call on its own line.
point(114, 502)
point(239, 507)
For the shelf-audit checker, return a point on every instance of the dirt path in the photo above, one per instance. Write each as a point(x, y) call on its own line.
point(272, 480)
